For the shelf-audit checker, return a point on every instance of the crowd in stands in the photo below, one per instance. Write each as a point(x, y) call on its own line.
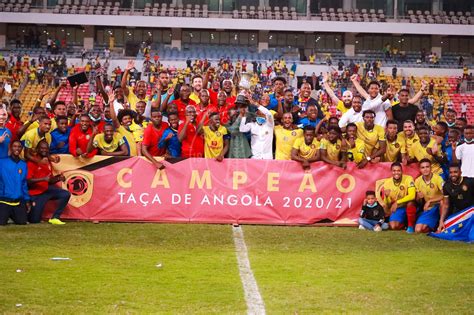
point(239, 110)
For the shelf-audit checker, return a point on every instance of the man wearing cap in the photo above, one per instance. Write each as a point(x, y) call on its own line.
point(261, 132)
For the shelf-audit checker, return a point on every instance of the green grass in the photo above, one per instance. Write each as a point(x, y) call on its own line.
point(313, 270)
point(298, 270)
point(113, 269)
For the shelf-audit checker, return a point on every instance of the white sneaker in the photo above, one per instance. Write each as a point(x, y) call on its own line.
point(378, 228)
point(361, 227)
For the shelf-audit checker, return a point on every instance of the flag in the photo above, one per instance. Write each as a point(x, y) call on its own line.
point(458, 227)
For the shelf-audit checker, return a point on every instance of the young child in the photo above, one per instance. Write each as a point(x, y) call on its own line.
point(372, 215)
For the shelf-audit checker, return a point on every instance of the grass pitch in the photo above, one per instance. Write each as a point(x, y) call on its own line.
point(304, 270)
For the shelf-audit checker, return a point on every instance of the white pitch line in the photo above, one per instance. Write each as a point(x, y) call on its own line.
point(253, 298)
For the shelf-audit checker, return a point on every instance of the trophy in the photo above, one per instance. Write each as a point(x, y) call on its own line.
point(245, 81)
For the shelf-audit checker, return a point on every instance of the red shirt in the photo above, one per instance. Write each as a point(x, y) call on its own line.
point(224, 112)
point(79, 139)
point(182, 108)
point(38, 170)
point(193, 143)
point(201, 111)
point(212, 96)
point(151, 138)
point(230, 100)
point(14, 126)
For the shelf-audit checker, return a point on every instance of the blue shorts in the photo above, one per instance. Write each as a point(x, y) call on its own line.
point(400, 215)
point(430, 217)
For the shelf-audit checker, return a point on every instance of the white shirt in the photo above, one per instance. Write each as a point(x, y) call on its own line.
point(379, 108)
point(350, 117)
point(262, 135)
point(465, 153)
point(463, 107)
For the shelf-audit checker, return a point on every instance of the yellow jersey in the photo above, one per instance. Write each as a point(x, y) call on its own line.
point(341, 108)
point(213, 141)
point(333, 149)
point(285, 139)
point(31, 139)
point(357, 153)
point(431, 189)
point(399, 190)
point(306, 151)
point(419, 152)
point(129, 140)
point(100, 143)
point(371, 138)
point(394, 148)
point(35, 125)
point(408, 143)
point(133, 98)
point(137, 131)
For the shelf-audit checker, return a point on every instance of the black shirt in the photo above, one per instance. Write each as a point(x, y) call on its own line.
point(460, 196)
point(400, 114)
point(375, 213)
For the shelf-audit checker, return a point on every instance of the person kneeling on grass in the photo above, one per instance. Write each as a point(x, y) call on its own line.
point(372, 215)
point(399, 197)
point(429, 187)
point(42, 187)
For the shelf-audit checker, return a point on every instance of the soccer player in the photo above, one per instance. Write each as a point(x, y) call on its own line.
point(108, 142)
point(306, 149)
point(41, 182)
point(31, 138)
point(122, 123)
point(190, 135)
point(140, 89)
point(373, 136)
point(14, 122)
point(399, 198)
point(152, 136)
point(429, 187)
point(311, 118)
point(331, 150)
point(427, 148)
point(60, 136)
point(409, 137)
point(458, 194)
point(355, 146)
point(465, 153)
point(261, 133)
point(5, 134)
point(285, 136)
point(216, 139)
point(14, 195)
point(394, 142)
point(169, 140)
point(79, 138)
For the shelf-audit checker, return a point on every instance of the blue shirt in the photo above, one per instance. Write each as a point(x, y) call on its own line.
point(306, 122)
point(13, 185)
point(56, 138)
point(273, 102)
point(172, 145)
point(6, 142)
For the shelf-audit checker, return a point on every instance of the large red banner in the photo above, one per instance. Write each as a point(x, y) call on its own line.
point(207, 191)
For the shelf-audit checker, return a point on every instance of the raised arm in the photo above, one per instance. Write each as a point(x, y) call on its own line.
point(56, 93)
point(130, 66)
point(114, 118)
point(419, 94)
point(328, 90)
point(359, 88)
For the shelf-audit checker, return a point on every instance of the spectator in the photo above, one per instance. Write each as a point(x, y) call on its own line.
point(15, 199)
point(5, 134)
point(14, 122)
point(41, 182)
point(239, 147)
point(169, 140)
point(464, 110)
point(190, 135)
point(60, 136)
point(406, 110)
point(372, 215)
point(353, 115)
point(152, 136)
point(79, 138)
point(464, 153)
